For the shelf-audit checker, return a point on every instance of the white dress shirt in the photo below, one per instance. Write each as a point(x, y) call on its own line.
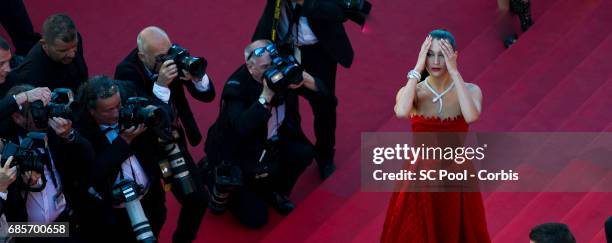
point(45, 206)
point(130, 167)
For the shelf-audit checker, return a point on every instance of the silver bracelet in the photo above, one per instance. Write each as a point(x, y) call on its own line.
point(413, 74)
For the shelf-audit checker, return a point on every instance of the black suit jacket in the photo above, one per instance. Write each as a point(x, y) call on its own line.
point(8, 105)
point(132, 69)
point(240, 132)
point(106, 164)
point(39, 70)
point(325, 18)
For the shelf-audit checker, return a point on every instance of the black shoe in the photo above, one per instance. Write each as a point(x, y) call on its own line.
point(510, 40)
point(326, 170)
point(281, 203)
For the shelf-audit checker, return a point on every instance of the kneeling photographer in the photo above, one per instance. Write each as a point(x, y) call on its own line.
point(256, 149)
point(125, 195)
point(47, 154)
point(313, 32)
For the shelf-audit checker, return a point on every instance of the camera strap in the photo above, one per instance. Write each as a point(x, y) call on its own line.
point(121, 177)
point(48, 162)
point(276, 20)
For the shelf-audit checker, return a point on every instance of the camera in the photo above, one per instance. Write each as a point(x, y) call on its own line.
point(223, 179)
point(127, 192)
point(27, 156)
point(196, 66)
point(282, 72)
point(269, 159)
point(356, 10)
point(173, 166)
point(137, 111)
point(59, 106)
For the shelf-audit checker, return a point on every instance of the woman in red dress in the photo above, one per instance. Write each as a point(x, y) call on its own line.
point(442, 102)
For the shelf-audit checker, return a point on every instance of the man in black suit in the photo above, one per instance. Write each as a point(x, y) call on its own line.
point(258, 129)
point(62, 155)
point(11, 104)
point(313, 31)
point(57, 60)
point(16, 21)
point(144, 66)
point(119, 153)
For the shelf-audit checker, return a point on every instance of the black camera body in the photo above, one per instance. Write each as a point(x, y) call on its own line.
point(59, 106)
point(283, 72)
point(196, 66)
point(269, 160)
point(356, 10)
point(26, 155)
point(125, 191)
point(138, 111)
point(128, 192)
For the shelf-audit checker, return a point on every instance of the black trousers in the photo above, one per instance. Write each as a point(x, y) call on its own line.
point(193, 205)
point(609, 230)
point(103, 224)
point(249, 203)
point(16, 21)
point(317, 62)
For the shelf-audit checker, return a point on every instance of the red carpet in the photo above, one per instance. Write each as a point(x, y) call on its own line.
point(558, 77)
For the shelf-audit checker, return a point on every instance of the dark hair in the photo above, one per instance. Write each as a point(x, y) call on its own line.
point(98, 87)
point(59, 26)
point(18, 89)
point(551, 233)
point(444, 34)
point(4, 44)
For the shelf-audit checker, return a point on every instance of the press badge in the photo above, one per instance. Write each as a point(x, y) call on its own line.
point(60, 201)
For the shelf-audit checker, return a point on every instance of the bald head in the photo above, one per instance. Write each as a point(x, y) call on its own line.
point(152, 38)
point(152, 41)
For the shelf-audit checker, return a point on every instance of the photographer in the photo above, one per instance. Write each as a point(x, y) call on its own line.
point(259, 131)
point(10, 104)
point(56, 61)
point(49, 169)
point(161, 69)
point(313, 31)
point(121, 154)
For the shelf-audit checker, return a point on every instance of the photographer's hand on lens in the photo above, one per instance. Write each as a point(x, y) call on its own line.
point(187, 76)
point(167, 73)
point(7, 174)
point(42, 93)
point(450, 56)
point(61, 126)
point(308, 82)
point(420, 65)
point(129, 134)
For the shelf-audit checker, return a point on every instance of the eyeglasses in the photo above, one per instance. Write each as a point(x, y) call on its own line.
point(258, 52)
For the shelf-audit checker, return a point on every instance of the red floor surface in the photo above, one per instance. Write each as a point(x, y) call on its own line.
point(556, 78)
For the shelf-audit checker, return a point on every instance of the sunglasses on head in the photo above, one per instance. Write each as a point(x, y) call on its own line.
point(258, 52)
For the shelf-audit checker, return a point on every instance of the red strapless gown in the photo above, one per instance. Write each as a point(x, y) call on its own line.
point(436, 217)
